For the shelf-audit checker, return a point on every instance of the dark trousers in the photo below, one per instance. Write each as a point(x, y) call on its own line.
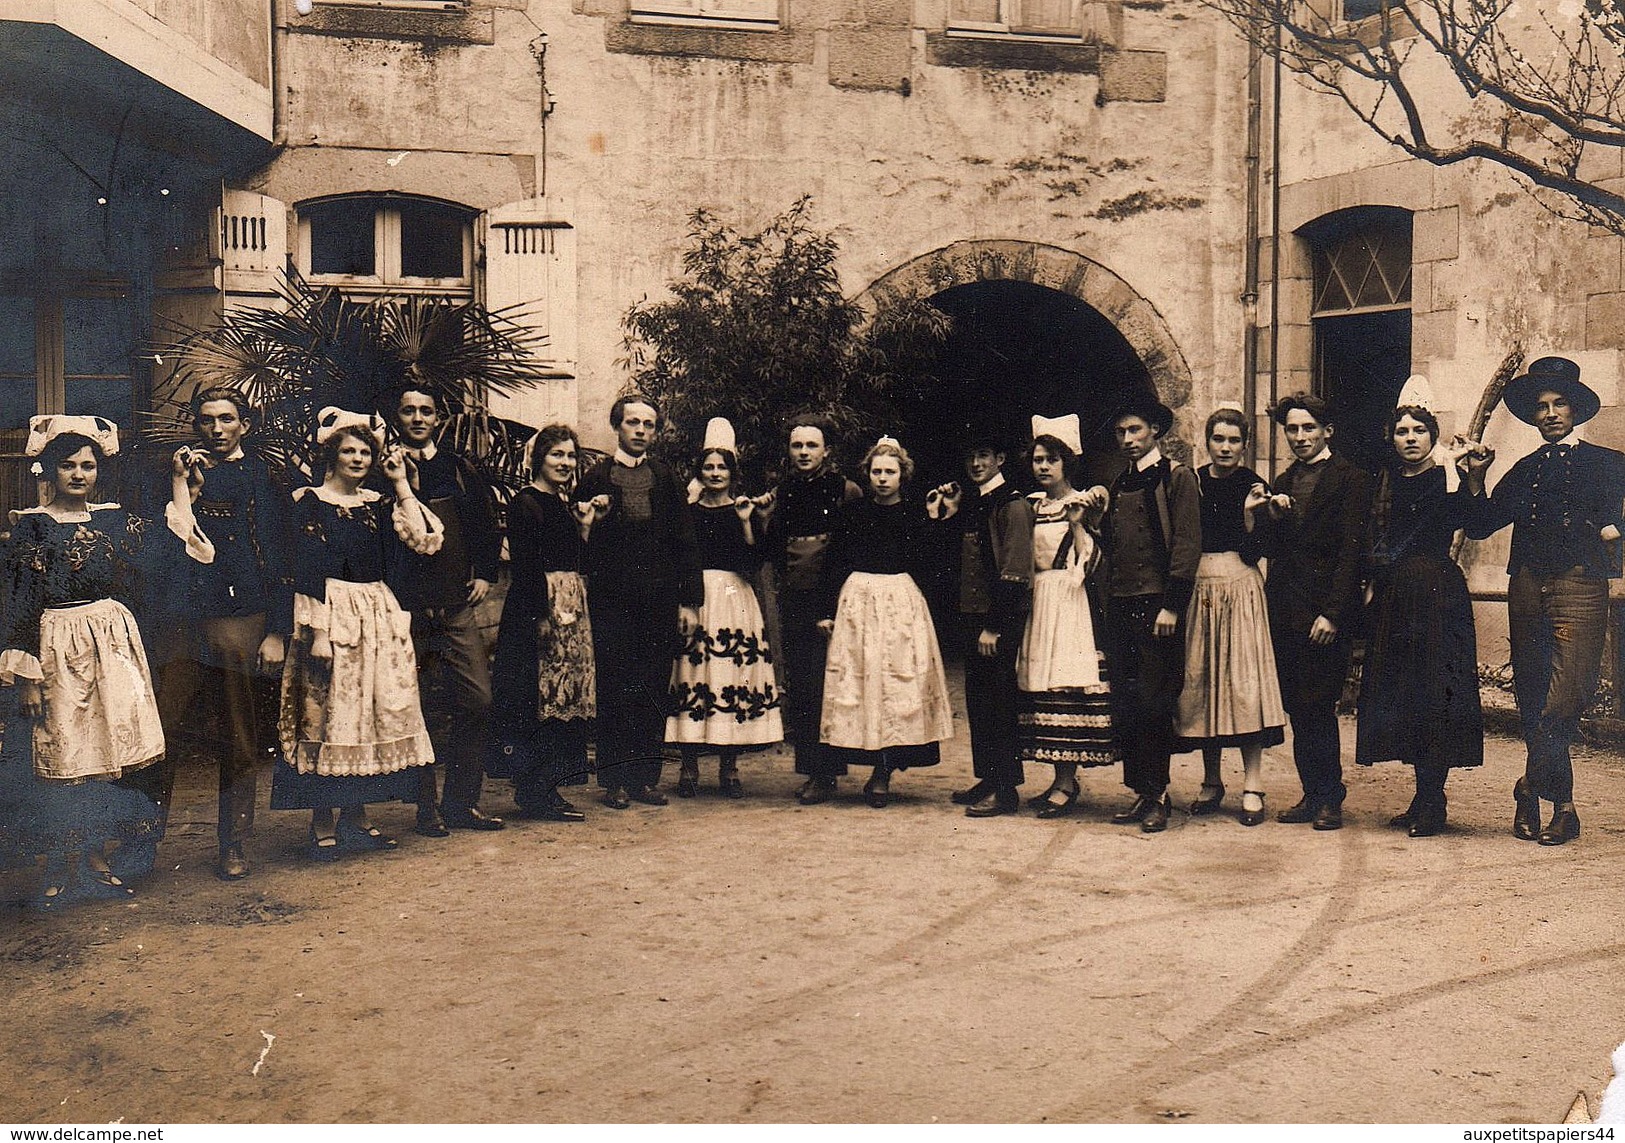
point(1558, 623)
point(803, 649)
point(1147, 674)
point(454, 682)
point(1312, 679)
point(215, 659)
point(634, 639)
point(990, 706)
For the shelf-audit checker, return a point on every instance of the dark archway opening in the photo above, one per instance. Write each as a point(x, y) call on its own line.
point(1019, 349)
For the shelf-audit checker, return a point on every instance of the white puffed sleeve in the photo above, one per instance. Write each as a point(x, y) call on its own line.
point(184, 525)
point(418, 528)
point(16, 664)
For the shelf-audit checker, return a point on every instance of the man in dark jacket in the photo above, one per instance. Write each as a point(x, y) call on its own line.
point(443, 592)
point(1153, 537)
point(1564, 504)
point(1315, 556)
point(212, 640)
point(994, 523)
point(644, 591)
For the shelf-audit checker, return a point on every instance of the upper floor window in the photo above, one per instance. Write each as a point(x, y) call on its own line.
point(1360, 9)
point(1039, 19)
point(421, 5)
point(747, 15)
point(387, 243)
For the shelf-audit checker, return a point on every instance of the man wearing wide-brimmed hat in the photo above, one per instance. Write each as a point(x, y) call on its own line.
point(1564, 504)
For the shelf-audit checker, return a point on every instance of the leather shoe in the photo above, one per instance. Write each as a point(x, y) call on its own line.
point(232, 866)
point(730, 786)
point(1301, 814)
point(1526, 817)
point(1001, 803)
point(616, 799)
point(554, 813)
point(688, 784)
point(1207, 805)
point(1564, 826)
point(976, 793)
point(1329, 817)
point(431, 825)
point(648, 796)
point(1156, 818)
point(877, 791)
point(816, 790)
point(1251, 817)
point(471, 818)
point(1136, 812)
point(1427, 821)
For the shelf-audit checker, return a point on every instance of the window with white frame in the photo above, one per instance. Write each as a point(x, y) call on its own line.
point(420, 5)
point(1035, 19)
point(387, 243)
point(747, 15)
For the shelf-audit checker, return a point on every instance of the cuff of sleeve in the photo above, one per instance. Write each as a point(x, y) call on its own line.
point(184, 525)
point(15, 664)
point(418, 528)
point(1178, 595)
point(309, 612)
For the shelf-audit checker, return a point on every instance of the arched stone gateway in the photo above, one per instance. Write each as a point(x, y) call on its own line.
point(1054, 268)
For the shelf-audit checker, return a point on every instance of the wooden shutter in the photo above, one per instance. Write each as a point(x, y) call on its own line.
point(251, 243)
point(530, 278)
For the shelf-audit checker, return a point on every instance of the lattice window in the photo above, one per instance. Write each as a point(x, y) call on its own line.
point(387, 243)
point(1364, 265)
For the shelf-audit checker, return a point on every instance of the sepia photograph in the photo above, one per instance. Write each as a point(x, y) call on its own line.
point(918, 562)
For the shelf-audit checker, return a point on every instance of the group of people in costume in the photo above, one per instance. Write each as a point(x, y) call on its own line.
point(1113, 623)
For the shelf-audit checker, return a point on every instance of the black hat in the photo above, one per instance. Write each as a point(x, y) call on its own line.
point(1145, 405)
point(979, 435)
point(1555, 375)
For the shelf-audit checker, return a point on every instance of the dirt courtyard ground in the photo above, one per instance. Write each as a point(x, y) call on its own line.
point(761, 961)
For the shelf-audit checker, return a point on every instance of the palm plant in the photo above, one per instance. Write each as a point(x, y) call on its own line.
point(322, 348)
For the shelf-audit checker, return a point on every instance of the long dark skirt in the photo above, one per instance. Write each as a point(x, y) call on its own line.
point(1419, 689)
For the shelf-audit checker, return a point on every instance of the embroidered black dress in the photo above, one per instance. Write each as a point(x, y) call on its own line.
point(1419, 693)
point(543, 683)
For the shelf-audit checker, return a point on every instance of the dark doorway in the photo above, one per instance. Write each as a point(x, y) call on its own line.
point(1362, 361)
point(1019, 349)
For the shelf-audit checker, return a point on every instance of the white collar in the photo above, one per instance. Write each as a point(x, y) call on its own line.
point(1149, 459)
point(427, 452)
point(1566, 439)
point(1325, 453)
point(993, 485)
point(626, 458)
point(234, 456)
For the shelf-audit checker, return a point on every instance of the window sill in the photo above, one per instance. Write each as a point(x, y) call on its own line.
point(709, 23)
point(455, 24)
point(972, 48)
point(707, 41)
point(1005, 36)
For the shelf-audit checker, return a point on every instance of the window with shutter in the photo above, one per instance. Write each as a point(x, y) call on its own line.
point(743, 14)
point(1033, 19)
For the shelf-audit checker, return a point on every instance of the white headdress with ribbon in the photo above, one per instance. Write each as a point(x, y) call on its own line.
point(1230, 406)
point(719, 433)
point(1417, 393)
point(42, 430)
point(1064, 429)
point(333, 420)
point(889, 440)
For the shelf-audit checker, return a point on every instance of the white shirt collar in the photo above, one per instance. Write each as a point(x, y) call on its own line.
point(1567, 438)
point(626, 458)
point(993, 485)
point(1149, 459)
point(1324, 454)
point(235, 455)
point(427, 452)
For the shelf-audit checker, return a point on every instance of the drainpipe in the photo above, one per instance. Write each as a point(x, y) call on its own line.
point(1249, 293)
point(1275, 246)
point(279, 93)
